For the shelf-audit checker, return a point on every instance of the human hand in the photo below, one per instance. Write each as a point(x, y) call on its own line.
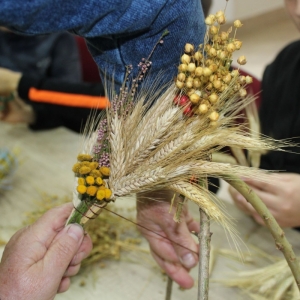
point(175, 260)
point(9, 81)
point(17, 111)
point(281, 197)
point(39, 260)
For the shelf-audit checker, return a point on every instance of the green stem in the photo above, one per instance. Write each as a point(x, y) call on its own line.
point(169, 288)
point(278, 234)
point(76, 217)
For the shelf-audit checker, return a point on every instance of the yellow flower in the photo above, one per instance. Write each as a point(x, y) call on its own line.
point(91, 190)
point(96, 173)
point(100, 195)
point(83, 157)
point(90, 180)
point(84, 170)
point(81, 189)
point(76, 167)
point(94, 165)
point(81, 181)
point(99, 181)
point(108, 193)
point(105, 171)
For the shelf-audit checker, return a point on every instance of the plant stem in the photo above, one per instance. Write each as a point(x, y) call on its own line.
point(278, 234)
point(169, 288)
point(204, 255)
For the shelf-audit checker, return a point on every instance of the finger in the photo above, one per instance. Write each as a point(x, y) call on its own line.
point(64, 285)
point(83, 251)
point(183, 243)
point(72, 270)
point(176, 271)
point(62, 250)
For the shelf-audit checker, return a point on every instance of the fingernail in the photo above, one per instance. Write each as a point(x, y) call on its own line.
point(75, 231)
point(188, 260)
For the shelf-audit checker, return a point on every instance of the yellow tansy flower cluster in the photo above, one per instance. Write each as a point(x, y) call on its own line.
point(204, 73)
point(91, 178)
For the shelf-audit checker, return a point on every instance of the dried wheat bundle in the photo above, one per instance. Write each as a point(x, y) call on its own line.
point(272, 282)
point(161, 138)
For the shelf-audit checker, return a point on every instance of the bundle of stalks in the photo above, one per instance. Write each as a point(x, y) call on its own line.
point(163, 138)
point(8, 164)
point(109, 235)
point(274, 282)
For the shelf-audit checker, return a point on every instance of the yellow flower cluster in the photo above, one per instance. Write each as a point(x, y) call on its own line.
point(204, 73)
point(91, 178)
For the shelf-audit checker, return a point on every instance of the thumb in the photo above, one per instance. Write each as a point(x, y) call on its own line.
point(63, 249)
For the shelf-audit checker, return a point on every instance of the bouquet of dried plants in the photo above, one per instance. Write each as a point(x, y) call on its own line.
point(151, 139)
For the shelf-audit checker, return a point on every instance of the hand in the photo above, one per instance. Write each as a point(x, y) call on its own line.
point(39, 260)
point(17, 111)
point(282, 197)
point(9, 81)
point(176, 261)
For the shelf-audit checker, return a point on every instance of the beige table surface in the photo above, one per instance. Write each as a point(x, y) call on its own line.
point(46, 161)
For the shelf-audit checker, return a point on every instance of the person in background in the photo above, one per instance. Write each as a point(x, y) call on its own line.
point(118, 34)
point(46, 103)
point(279, 116)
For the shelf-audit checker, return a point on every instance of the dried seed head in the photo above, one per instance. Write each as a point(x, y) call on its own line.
point(185, 59)
point(243, 92)
point(231, 47)
point(237, 24)
point(213, 98)
point(189, 48)
point(224, 35)
point(203, 108)
point(179, 84)
point(219, 13)
point(199, 71)
point(221, 20)
point(213, 30)
point(214, 116)
point(207, 72)
point(213, 68)
point(198, 56)
point(227, 78)
point(196, 83)
point(181, 77)
point(217, 84)
point(195, 98)
point(212, 52)
point(242, 60)
point(249, 79)
point(191, 67)
point(235, 73)
point(183, 67)
point(238, 44)
point(209, 20)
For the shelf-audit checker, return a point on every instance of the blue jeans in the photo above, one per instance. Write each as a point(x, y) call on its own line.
point(118, 32)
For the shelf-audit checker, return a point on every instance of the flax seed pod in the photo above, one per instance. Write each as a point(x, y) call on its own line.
point(242, 60)
point(249, 79)
point(213, 98)
point(207, 72)
point(224, 36)
point(183, 67)
point(181, 77)
point(231, 47)
point(195, 98)
point(197, 83)
point(238, 44)
point(189, 48)
point(237, 24)
point(217, 84)
point(213, 52)
point(199, 71)
point(227, 78)
point(214, 116)
point(185, 59)
point(179, 84)
point(213, 30)
point(243, 92)
point(213, 68)
point(198, 56)
point(191, 67)
point(189, 82)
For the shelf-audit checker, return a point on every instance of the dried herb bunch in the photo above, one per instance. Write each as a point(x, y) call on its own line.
point(161, 139)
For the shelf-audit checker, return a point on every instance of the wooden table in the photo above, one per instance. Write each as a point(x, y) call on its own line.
point(46, 159)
